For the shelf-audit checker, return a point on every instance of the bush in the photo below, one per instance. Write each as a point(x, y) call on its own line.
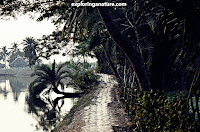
point(155, 113)
point(86, 81)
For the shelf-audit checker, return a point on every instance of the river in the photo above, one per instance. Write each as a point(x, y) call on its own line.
point(19, 113)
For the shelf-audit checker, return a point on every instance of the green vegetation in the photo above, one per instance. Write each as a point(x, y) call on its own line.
point(153, 112)
point(3, 54)
point(15, 52)
point(148, 45)
point(86, 81)
point(49, 78)
point(29, 49)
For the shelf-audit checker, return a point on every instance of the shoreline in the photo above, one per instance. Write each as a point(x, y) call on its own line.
point(25, 71)
point(75, 120)
point(77, 109)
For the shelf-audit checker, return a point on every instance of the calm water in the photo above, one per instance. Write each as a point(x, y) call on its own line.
point(20, 113)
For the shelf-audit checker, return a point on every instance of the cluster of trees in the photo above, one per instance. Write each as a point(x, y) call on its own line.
point(152, 35)
point(156, 41)
point(155, 37)
point(29, 46)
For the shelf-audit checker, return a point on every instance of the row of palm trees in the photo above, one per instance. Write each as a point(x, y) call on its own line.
point(29, 51)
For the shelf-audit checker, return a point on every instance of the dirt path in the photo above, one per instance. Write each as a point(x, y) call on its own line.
point(104, 113)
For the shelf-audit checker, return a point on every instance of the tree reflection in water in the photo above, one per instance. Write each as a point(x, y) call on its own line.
point(46, 111)
point(43, 108)
point(3, 89)
point(17, 86)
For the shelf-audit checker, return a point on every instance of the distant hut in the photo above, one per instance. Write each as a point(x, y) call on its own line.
point(19, 62)
point(2, 65)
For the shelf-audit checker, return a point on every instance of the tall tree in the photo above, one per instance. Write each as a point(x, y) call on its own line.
point(175, 37)
point(127, 46)
point(14, 47)
point(29, 49)
point(15, 52)
point(168, 17)
point(3, 54)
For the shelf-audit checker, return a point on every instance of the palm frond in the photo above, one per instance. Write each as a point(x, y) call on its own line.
point(45, 69)
point(37, 86)
point(62, 77)
point(62, 73)
point(61, 66)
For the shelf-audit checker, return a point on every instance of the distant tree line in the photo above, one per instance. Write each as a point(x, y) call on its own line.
point(28, 51)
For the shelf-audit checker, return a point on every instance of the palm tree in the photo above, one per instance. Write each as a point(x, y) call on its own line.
point(170, 16)
point(14, 47)
point(3, 54)
point(50, 78)
point(29, 48)
point(15, 52)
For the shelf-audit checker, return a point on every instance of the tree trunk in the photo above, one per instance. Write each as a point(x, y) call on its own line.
point(111, 64)
point(156, 71)
point(127, 46)
point(67, 94)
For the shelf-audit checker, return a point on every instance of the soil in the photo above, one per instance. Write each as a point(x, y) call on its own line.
point(122, 122)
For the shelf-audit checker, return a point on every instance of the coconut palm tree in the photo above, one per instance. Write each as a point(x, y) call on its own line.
point(50, 78)
point(14, 53)
point(3, 54)
point(29, 48)
point(14, 47)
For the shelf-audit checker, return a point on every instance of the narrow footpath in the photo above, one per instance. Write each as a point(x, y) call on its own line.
point(104, 112)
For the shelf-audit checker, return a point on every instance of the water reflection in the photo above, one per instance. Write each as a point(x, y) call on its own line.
point(42, 112)
point(29, 112)
point(47, 111)
point(17, 86)
point(3, 89)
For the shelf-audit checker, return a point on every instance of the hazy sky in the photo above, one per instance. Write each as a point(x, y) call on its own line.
point(16, 30)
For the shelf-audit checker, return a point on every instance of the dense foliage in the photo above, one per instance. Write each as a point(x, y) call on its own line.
point(153, 112)
point(49, 78)
point(86, 81)
point(29, 49)
point(149, 44)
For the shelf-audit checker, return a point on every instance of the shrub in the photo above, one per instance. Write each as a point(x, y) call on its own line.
point(86, 81)
point(155, 113)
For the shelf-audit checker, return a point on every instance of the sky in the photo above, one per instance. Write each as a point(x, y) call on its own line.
point(17, 30)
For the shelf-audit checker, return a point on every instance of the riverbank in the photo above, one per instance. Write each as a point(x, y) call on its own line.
point(97, 111)
point(23, 71)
